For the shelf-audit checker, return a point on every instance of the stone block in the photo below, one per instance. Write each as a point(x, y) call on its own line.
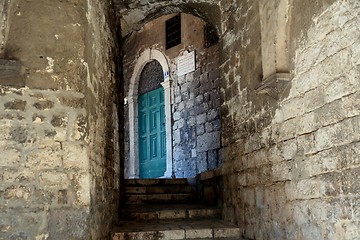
point(259, 157)
point(191, 121)
point(201, 162)
point(199, 99)
point(341, 59)
point(19, 134)
point(198, 233)
point(349, 156)
point(323, 162)
point(309, 122)
point(10, 157)
point(12, 175)
point(337, 89)
point(176, 116)
point(289, 149)
point(200, 119)
point(212, 114)
point(59, 120)
point(212, 158)
point(208, 127)
point(200, 129)
point(177, 136)
point(208, 141)
point(72, 99)
point(68, 223)
point(306, 81)
point(253, 143)
point(281, 171)
point(17, 104)
point(82, 188)
point(275, 154)
point(48, 155)
point(288, 129)
point(44, 104)
point(53, 179)
point(338, 134)
point(306, 144)
point(311, 231)
point(350, 182)
point(314, 99)
point(293, 107)
point(80, 128)
point(303, 189)
point(17, 192)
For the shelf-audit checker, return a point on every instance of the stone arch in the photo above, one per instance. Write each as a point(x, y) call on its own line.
point(138, 16)
point(147, 56)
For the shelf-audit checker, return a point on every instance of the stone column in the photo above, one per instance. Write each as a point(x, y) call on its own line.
point(133, 164)
point(167, 85)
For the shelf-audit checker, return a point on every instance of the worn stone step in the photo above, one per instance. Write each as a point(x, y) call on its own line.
point(158, 189)
point(162, 181)
point(159, 198)
point(169, 211)
point(176, 229)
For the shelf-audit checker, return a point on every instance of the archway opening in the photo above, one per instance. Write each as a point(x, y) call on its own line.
point(191, 85)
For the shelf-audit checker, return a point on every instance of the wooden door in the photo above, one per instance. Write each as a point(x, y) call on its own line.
point(152, 134)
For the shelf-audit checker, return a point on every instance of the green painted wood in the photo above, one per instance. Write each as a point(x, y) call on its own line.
point(152, 134)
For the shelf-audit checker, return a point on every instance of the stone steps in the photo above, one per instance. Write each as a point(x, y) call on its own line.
point(176, 229)
point(140, 191)
point(167, 209)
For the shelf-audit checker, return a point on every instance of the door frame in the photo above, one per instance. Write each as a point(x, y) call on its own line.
point(132, 100)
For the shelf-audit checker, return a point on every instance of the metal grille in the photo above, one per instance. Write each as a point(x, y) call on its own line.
point(173, 31)
point(151, 77)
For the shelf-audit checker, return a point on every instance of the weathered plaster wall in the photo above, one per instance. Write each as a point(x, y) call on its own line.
point(195, 96)
point(44, 165)
point(60, 161)
point(297, 178)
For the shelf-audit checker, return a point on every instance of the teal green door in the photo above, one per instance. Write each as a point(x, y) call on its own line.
point(152, 134)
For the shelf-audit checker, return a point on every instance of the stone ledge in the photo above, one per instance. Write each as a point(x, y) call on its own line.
point(274, 85)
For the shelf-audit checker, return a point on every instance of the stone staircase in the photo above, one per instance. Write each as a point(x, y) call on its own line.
point(168, 209)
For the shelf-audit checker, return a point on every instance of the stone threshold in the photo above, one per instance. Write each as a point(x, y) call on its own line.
point(176, 229)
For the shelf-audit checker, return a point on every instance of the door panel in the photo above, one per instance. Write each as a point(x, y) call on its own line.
point(152, 135)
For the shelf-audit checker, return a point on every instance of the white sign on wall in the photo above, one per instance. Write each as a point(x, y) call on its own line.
point(186, 63)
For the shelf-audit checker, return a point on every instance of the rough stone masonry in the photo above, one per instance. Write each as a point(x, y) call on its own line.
point(289, 129)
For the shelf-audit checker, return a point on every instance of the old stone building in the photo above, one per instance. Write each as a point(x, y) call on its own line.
point(259, 98)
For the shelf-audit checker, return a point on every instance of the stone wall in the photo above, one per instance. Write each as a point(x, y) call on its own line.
point(44, 169)
point(195, 96)
point(104, 96)
point(60, 166)
point(196, 116)
point(298, 177)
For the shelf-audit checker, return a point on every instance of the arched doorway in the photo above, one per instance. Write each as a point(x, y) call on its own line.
point(149, 148)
